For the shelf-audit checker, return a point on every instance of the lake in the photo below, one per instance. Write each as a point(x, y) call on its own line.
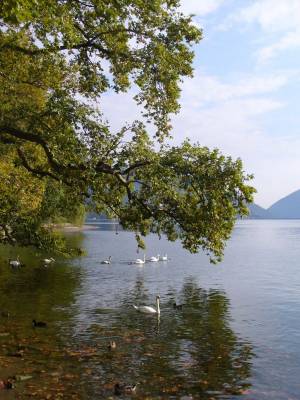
point(236, 336)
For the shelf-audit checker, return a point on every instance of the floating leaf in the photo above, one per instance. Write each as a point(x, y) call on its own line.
point(23, 377)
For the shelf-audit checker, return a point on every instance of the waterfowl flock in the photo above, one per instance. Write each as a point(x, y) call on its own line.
point(119, 388)
point(16, 264)
point(141, 261)
point(158, 258)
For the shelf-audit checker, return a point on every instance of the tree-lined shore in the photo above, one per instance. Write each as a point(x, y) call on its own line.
point(59, 155)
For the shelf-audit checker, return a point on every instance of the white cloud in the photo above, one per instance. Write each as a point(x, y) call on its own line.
point(288, 42)
point(200, 7)
point(271, 15)
point(236, 128)
point(278, 19)
point(204, 89)
point(230, 117)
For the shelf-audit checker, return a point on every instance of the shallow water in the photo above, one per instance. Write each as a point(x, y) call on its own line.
point(237, 334)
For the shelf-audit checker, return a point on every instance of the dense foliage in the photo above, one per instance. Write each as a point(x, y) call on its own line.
point(57, 59)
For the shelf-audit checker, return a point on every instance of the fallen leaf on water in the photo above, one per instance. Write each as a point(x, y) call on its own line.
point(204, 382)
point(108, 385)
point(54, 373)
point(23, 377)
point(69, 376)
point(88, 371)
point(173, 389)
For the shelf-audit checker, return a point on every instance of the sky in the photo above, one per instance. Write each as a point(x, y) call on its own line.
point(245, 94)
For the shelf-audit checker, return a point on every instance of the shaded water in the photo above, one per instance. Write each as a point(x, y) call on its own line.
point(236, 336)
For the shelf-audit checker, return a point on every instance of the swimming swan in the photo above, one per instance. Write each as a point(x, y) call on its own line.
point(154, 259)
point(47, 261)
point(140, 261)
point(112, 345)
point(148, 309)
point(106, 261)
point(14, 263)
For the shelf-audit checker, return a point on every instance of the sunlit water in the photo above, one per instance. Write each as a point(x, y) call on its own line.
point(237, 335)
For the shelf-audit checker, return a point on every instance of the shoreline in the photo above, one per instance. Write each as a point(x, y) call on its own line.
point(74, 228)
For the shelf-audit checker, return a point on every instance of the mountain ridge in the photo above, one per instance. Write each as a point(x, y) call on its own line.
point(288, 207)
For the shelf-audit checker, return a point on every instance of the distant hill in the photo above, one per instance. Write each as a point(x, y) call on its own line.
point(91, 216)
point(257, 212)
point(287, 208)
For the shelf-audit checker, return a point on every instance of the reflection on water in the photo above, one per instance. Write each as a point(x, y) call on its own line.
point(190, 352)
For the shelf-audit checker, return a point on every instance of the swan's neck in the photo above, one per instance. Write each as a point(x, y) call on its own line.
point(157, 306)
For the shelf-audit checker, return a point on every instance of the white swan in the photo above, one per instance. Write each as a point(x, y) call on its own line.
point(47, 261)
point(106, 261)
point(164, 258)
point(148, 309)
point(154, 259)
point(140, 261)
point(14, 263)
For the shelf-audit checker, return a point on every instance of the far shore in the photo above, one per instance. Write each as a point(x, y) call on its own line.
point(74, 228)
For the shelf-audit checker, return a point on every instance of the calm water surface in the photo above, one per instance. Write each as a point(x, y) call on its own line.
point(237, 335)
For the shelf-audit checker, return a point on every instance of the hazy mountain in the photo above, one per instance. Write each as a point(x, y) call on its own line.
point(288, 207)
point(257, 212)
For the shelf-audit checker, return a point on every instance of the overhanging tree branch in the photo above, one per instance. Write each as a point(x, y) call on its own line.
point(137, 165)
point(101, 167)
point(35, 171)
point(53, 49)
point(27, 136)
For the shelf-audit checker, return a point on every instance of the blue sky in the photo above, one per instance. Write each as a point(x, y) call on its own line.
point(244, 97)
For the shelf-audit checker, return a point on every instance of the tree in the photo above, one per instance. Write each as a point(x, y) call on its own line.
point(57, 60)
